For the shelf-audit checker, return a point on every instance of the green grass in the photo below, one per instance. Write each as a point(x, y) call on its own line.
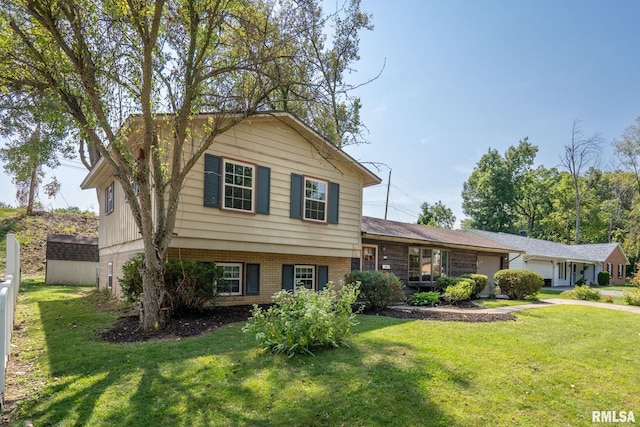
point(552, 366)
point(496, 303)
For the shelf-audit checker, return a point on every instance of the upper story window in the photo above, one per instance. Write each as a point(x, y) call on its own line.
point(108, 198)
point(315, 199)
point(239, 185)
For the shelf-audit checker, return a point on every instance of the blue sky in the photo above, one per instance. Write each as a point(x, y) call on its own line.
point(465, 76)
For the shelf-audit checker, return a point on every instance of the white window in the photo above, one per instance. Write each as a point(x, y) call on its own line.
point(109, 275)
point(610, 269)
point(315, 200)
point(304, 276)
point(620, 271)
point(108, 198)
point(232, 275)
point(239, 185)
point(369, 258)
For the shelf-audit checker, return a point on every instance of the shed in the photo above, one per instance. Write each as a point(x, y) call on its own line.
point(71, 260)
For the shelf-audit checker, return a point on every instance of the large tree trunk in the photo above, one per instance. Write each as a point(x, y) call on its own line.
point(32, 190)
point(154, 314)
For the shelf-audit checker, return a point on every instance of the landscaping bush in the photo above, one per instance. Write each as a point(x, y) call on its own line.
point(581, 281)
point(518, 284)
point(603, 278)
point(425, 298)
point(188, 284)
point(461, 291)
point(444, 282)
point(304, 321)
point(378, 290)
point(480, 282)
point(585, 293)
point(632, 298)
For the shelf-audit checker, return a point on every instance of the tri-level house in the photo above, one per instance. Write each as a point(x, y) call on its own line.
point(272, 202)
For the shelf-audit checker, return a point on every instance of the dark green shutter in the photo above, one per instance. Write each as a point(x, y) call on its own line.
point(253, 279)
point(296, 196)
point(334, 202)
point(287, 277)
point(323, 276)
point(212, 180)
point(263, 186)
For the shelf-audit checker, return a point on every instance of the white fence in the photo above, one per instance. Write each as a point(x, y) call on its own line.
point(9, 289)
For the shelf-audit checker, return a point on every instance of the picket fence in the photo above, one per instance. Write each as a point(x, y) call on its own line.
point(9, 289)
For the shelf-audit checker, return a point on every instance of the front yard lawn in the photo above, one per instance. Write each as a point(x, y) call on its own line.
point(553, 366)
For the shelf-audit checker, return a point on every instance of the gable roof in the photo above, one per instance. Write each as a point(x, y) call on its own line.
point(598, 252)
point(402, 231)
point(322, 145)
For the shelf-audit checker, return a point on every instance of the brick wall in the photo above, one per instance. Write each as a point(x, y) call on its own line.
point(270, 269)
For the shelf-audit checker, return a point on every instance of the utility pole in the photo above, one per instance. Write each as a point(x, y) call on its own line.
point(386, 206)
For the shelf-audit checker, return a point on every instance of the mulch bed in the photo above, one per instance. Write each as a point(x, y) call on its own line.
point(127, 329)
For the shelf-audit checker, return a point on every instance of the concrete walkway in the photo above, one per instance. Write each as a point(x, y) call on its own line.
point(547, 302)
point(570, 288)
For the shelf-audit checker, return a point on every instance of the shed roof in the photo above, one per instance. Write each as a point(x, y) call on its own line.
point(66, 247)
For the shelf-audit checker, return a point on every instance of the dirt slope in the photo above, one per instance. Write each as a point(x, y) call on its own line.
point(31, 232)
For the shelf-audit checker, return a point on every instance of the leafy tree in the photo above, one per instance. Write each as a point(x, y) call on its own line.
point(108, 60)
point(37, 128)
point(495, 186)
point(628, 150)
point(437, 215)
point(578, 156)
point(534, 203)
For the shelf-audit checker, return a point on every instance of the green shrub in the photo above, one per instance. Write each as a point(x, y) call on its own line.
point(518, 284)
point(444, 282)
point(378, 290)
point(632, 298)
point(304, 321)
point(131, 280)
point(425, 298)
point(479, 281)
point(603, 278)
point(585, 293)
point(188, 284)
point(461, 291)
point(581, 281)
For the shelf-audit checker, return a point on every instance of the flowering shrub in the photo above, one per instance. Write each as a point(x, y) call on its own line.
point(585, 293)
point(632, 298)
point(304, 321)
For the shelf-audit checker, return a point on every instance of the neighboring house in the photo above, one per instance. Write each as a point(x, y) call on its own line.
point(560, 264)
point(420, 254)
point(71, 260)
point(272, 202)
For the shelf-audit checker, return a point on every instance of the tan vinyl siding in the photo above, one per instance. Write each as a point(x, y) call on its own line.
point(284, 151)
point(60, 272)
point(118, 226)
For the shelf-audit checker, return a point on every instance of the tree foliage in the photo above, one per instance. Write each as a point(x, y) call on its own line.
point(437, 215)
point(495, 187)
point(167, 60)
point(36, 128)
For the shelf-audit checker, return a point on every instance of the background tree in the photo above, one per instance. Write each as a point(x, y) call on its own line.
point(627, 148)
point(533, 203)
point(578, 156)
point(495, 186)
point(437, 215)
point(107, 60)
point(36, 129)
